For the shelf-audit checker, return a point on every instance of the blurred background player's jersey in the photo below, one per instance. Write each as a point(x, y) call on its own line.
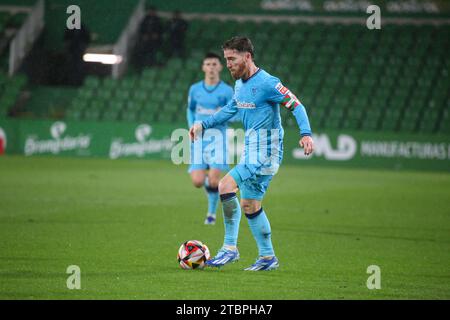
point(204, 101)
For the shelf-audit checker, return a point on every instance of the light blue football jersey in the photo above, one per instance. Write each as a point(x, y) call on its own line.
point(257, 100)
point(204, 101)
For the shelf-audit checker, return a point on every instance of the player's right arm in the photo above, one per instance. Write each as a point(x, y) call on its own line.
point(190, 112)
point(221, 116)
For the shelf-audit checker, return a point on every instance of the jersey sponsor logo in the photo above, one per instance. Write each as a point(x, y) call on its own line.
point(206, 111)
point(281, 89)
point(246, 105)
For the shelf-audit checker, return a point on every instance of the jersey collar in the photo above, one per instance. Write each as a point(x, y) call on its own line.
point(216, 86)
point(259, 69)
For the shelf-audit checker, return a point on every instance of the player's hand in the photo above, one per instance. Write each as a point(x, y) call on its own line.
point(195, 130)
point(306, 142)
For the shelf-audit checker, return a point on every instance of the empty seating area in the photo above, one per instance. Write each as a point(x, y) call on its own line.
point(10, 89)
point(348, 77)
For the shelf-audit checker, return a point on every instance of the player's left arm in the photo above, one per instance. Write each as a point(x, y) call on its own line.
point(282, 95)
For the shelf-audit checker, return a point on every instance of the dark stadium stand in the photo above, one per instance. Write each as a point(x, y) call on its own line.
point(10, 88)
point(347, 76)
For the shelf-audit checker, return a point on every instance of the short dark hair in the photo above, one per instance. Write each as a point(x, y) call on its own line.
point(211, 55)
point(240, 44)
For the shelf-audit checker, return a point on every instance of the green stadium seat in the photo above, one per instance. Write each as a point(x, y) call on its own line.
point(407, 125)
point(109, 84)
point(18, 81)
point(105, 94)
point(91, 82)
point(78, 104)
point(391, 72)
point(350, 81)
point(132, 106)
point(110, 115)
point(128, 83)
point(115, 105)
point(430, 115)
point(341, 101)
point(129, 115)
point(444, 126)
point(331, 123)
point(148, 107)
point(146, 85)
point(369, 124)
point(397, 102)
point(7, 101)
point(333, 80)
point(411, 114)
point(144, 116)
point(122, 94)
point(92, 114)
point(389, 124)
point(73, 114)
point(322, 102)
point(165, 117)
point(158, 96)
point(97, 104)
point(140, 96)
point(392, 114)
point(373, 113)
point(355, 113)
point(149, 74)
point(179, 117)
point(351, 124)
point(427, 126)
point(85, 93)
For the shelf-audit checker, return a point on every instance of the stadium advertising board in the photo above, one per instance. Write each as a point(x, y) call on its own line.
point(3, 141)
point(86, 139)
point(365, 149)
point(148, 140)
point(7, 138)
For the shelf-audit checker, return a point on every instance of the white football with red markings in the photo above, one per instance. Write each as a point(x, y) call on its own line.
point(193, 254)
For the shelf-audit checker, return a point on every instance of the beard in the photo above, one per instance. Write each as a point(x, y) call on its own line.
point(238, 73)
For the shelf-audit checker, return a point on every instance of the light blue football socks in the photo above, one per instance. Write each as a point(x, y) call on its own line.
point(213, 198)
point(231, 218)
point(260, 227)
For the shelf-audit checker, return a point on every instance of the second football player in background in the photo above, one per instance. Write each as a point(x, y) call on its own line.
point(205, 98)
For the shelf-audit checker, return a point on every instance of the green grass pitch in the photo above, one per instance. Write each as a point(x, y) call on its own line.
point(123, 221)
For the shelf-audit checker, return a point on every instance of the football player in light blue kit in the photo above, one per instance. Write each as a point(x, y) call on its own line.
point(205, 98)
point(257, 99)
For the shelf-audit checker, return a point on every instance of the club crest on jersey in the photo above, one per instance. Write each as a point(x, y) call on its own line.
point(254, 91)
point(281, 89)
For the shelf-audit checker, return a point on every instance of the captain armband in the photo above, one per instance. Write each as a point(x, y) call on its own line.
point(290, 101)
